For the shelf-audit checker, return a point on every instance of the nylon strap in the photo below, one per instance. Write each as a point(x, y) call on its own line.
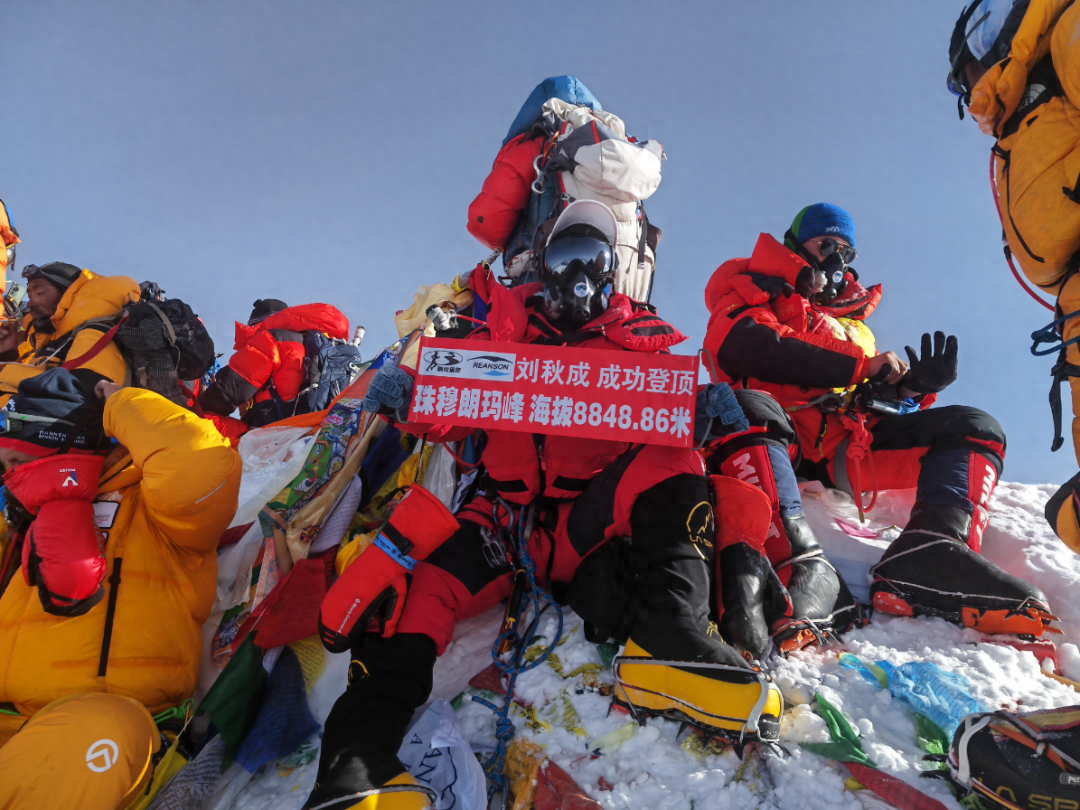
point(110, 615)
point(391, 551)
point(96, 349)
point(1061, 370)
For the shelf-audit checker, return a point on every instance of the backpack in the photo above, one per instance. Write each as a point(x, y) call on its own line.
point(587, 156)
point(163, 342)
point(330, 365)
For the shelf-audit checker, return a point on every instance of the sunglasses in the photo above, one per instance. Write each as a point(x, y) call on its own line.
point(593, 255)
point(829, 246)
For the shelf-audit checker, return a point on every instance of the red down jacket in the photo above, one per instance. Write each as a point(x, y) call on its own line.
point(495, 211)
point(269, 359)
point(784, 345)
point(522, 465)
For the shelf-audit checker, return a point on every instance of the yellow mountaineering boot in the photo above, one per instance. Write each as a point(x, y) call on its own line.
point(400, 793)
point(736, 703)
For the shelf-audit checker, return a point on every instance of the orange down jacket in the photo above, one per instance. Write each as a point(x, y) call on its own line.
point(89, 298)
point(161, 505)
point(1029, 102)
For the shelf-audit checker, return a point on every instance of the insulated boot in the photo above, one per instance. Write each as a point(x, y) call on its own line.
point(389, 678)
point(400, 793)
point(749, 593)
point(820, 599)
point(930, 571)
point(675, 664)
point(731, 700)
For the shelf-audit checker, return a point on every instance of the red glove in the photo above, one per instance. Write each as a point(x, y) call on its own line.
point(378, 580)
point(63, 553)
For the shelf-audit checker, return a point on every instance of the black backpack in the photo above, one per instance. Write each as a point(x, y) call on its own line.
point(330, 365)
point(162, 341)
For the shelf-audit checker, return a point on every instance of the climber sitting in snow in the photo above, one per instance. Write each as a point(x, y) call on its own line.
point(790, 321)
point(577, 498)
point(92, 648)
point(563, 146)
point(267, 375)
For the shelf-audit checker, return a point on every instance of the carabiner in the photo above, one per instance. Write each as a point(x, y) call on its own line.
point(538, 183)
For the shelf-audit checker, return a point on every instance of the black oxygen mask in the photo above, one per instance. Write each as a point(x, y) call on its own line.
point(835, 272)
point(576, 275)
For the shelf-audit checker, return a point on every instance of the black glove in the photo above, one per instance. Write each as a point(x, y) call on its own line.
point(774, 286)
point(935, 370)
point(753, 597)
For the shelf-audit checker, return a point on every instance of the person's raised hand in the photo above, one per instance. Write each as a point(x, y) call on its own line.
point(935, 370)
point(10, 335)
point(105, 389)
point(887, 367)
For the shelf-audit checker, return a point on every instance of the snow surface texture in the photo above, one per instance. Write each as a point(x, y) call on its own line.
point(622, 765)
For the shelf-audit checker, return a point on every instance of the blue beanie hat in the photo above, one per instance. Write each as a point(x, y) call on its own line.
point(822, 219)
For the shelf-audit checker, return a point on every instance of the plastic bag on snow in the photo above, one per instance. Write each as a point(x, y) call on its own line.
point(438, 756)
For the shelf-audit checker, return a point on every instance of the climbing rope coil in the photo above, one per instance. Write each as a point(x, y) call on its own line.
point(511, 642)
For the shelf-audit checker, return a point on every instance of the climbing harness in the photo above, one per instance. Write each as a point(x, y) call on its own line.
point(515, 642)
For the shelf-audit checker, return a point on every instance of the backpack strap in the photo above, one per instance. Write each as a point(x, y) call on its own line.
point(166, 324)
point(98, 347)
point(110, 610)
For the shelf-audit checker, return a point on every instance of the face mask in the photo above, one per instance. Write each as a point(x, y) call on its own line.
point(834, 270)
point(576, 274)
point(574, 298)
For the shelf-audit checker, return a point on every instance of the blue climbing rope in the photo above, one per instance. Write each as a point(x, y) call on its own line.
point(1049, 334)
point(495, 765)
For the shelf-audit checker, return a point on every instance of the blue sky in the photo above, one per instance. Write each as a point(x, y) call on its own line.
point(328, 151)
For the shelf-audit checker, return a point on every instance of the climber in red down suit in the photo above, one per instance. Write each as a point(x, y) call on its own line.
point(582, 496)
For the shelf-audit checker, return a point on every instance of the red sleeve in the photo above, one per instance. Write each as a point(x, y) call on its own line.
point(495, 211)
point(755, 344)
point(257, 359)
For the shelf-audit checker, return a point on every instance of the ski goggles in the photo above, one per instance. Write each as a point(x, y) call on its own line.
point(50, 273)
point(592, 255)
point(829, 246)
point(12, 422)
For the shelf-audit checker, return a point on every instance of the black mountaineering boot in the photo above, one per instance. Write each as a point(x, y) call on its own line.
point(930, 571)
point(389, 678)
point(820, 599)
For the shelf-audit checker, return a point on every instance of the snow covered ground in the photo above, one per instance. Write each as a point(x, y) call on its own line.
point(622, 765)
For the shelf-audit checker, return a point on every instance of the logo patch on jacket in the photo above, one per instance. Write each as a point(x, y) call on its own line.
point(71, 480)
point(105, 513)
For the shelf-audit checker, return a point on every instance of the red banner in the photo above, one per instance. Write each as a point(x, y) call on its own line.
point(560, 390)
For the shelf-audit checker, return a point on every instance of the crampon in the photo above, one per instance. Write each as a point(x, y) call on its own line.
point(1031, 618)
point(735, 704)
